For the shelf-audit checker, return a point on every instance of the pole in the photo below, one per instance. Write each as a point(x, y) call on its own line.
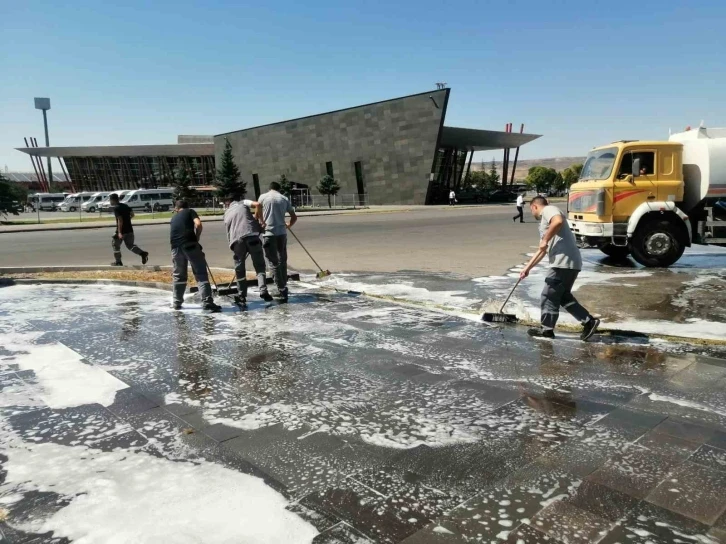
point(47, 144)
point(516, 155)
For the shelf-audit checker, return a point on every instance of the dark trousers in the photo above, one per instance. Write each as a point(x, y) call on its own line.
point(130, 245)
point(452, 201)
point(520, 214)
point(558, 293)
point(251, 245)
point(275, 248)
point(181, 258)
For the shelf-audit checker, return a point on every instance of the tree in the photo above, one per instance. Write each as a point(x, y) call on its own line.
point(228, 178)
point(570, 175)
point(493, 175)
point(12, 197)
point(328, 186)
point(285, 186)
point(541, 178)
point(183, 185)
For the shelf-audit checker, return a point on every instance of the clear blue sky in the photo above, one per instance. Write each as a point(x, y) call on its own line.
point(580, 73)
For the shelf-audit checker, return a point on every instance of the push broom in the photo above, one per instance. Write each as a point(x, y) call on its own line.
point(501, 317)
point(322, 273)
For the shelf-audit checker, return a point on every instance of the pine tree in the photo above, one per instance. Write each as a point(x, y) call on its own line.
point(493, 175)
point(183, 185)
point(228, 179)
point(285, 186)
point(328, 186)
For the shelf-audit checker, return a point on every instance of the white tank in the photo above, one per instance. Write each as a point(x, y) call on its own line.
point(704, 164)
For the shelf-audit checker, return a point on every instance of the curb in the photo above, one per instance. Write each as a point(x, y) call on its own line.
point(49, 227)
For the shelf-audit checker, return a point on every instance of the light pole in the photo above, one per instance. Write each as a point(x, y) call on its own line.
point(44, 104)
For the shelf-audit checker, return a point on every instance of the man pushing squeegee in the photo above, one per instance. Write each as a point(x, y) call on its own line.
point(558, 242)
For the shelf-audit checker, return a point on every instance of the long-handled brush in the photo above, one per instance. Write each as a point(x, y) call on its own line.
point(501, 317)
point(322, 273)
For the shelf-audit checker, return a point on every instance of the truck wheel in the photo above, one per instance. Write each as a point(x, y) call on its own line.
point(618, 253)
point(91, 209)
point(72, 209)
point(656, 244)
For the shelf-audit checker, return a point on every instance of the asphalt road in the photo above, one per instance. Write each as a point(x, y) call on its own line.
point(465, 241)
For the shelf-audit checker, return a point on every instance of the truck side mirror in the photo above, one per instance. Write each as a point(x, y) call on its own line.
point(636, 168)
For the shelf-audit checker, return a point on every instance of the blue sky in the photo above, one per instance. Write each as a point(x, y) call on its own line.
point(579, 73)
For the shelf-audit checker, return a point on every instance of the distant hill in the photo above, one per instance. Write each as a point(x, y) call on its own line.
point(523, 166)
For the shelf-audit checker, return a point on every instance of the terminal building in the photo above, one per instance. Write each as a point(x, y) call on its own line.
point(397, 151)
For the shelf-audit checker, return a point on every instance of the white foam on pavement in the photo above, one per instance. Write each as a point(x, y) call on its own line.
point(121, 496)
point(64, 379)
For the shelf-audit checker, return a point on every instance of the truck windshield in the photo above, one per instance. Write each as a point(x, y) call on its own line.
point(599, 164)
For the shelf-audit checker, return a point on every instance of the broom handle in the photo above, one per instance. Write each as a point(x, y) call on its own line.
point(306, 251)
point(211, 276)
point(510, 295)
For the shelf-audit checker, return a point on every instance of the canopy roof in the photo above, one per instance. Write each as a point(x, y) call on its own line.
point(483, 140)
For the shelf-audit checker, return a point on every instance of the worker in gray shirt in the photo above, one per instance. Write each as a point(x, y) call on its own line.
point(243, 236)
point(271, 213)
point(558, 242)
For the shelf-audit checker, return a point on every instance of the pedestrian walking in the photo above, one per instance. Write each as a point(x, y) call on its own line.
point(452, 198)
point(558, 242)
point(185, 231)
point(124, 232)
point(271, 213)
point(520, 209)
point(243, 236)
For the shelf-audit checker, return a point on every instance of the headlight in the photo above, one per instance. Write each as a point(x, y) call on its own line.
point(593, 229)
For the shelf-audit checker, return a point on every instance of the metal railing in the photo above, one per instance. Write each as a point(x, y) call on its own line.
point(344, 201)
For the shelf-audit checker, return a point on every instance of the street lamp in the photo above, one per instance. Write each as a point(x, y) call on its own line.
point(44, 104)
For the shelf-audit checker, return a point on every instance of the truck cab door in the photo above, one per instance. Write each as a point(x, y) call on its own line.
point(631, 190)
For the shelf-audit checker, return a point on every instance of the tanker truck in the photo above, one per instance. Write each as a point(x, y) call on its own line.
point(652, 199)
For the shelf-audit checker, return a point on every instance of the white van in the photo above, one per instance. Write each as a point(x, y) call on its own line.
point(73, 202)
point(92, 204)
point(150, 199)
point(46, 201)
point(105, 204)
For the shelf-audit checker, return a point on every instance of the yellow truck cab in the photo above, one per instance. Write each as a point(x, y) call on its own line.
point(635, 197)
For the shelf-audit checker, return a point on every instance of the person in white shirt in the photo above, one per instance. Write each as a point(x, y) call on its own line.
point(452, 198)
point(520, 209)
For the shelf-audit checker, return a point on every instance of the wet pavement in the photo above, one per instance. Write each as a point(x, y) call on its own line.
point(372, 421)
point(687, 300)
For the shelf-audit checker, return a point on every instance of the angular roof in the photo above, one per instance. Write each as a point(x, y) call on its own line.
point(482, 140)
point(166, 150)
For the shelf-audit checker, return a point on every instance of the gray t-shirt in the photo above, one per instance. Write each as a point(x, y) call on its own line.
point(563, 251)
point(274, 207)
point(240, 222)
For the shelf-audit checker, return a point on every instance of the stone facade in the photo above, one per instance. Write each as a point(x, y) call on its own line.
point(395, 142)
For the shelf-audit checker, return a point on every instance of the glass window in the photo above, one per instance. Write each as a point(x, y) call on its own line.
point(647, 163)
point(599, 164)
point(166, 196)
point(329, 169)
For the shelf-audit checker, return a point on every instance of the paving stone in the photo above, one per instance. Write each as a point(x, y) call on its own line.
point(129, 401)
point(717, 440)
point(648, 523)
point(526, 534)
point(709, 456)
point(602, 501)
point(221, 432)
point(312, 512)
point(342, 533)
point(684, 429)
point(566, 522)
point(637, 471)
point(693, 491)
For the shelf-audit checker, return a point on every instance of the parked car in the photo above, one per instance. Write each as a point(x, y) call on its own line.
point(150, 199)
point(471, 195)
point(502, 195)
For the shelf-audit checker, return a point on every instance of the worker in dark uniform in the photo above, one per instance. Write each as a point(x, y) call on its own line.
point(124, 232)
point(243, 236)
point(186, 228)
